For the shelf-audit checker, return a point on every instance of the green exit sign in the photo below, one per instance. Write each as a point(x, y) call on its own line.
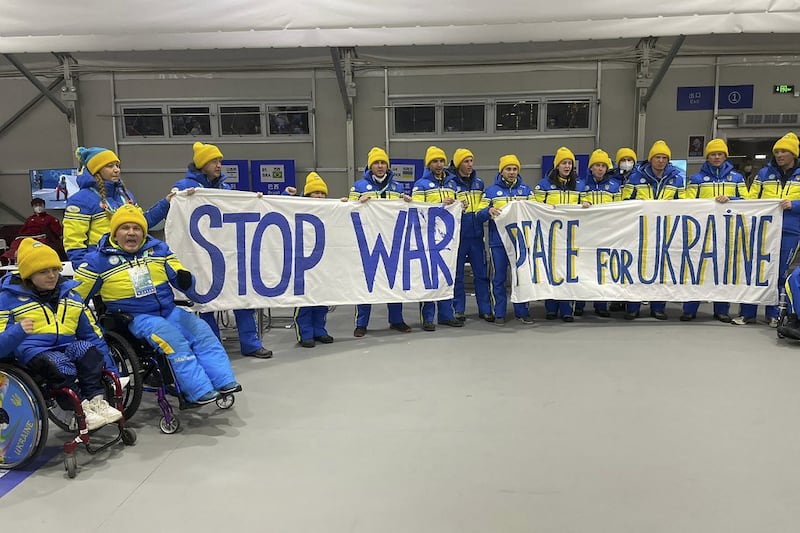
point(783, 89)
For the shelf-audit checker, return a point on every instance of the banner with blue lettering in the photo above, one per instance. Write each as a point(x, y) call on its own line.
point(681, 250)
point(249, 252)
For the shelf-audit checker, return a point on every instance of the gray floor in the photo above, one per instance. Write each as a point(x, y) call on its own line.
point(598, 426)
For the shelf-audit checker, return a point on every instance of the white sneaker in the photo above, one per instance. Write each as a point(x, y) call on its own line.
point(102, 408)
point(773, 322)
point(93, 420)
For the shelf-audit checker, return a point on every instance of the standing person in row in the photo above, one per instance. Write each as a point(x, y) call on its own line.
point(102, 192)
point(508, 187)
point(434, 188)
point(601, 187)
point(472, 247)
point(559, 187)
point(626, 162)
point(657, 179)
point(718, 180)
point(779, 179)
point(205, 172)
point(378, 183)
point(309, 321)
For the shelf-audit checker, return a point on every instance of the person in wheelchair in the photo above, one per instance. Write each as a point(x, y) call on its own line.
point(790, 326)
point(132, 272)
point(44, 323)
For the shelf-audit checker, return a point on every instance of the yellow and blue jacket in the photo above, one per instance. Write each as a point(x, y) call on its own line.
point(107, 271)
point(551, 190)
point(470, 192)
point(499, 195)
point(388, 190)
point(643, 184)
point(430, 190)
point(607, 190)
point(59, 319)
point(712, 182)
point(772, 182)
point(86, 218)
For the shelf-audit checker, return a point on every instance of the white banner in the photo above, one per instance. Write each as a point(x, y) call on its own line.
point(681, 250)
point(249, 252)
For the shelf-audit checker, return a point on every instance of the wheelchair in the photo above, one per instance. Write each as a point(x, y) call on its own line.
point(783, 318)
point(150, 369)
point(26, 404)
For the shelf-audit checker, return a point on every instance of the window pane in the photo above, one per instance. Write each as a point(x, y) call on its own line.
point(190, 120)
point(517, 116)
point(415, 119)
point(567, 115)
point(143, 121)
point(464, 117)
point(240, 120)
point(288, 120)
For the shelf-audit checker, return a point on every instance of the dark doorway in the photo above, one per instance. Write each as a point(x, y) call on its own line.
point(749, 154)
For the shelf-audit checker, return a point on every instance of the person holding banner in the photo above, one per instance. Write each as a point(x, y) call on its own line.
point(309, 322)
point(102, 192)
point(378, 183)
point(472, 247)
point(205, 171)
point(433, 188)
point(508, 187)
point(133, 273)
point(601, 187)
point(779, 179)
point(657, 179)
point(718, 180)
point(626, 161)
point(558, 187)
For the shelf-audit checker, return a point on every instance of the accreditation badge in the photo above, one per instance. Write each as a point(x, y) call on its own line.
point(141, 281)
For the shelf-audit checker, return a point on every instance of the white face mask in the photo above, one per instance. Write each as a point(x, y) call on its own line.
point(626, 166)
point(38, 209)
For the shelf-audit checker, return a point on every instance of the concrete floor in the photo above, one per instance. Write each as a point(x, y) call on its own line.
point(598, 426)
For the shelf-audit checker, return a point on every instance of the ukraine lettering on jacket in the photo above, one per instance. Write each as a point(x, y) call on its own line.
point(679, 251)
point(286, 251)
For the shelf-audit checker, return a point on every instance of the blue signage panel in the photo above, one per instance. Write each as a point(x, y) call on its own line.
point(735, 97)
point(272, 176)
point(407, 171)
point(695, 98)
point(548, 163)
point(237, 172)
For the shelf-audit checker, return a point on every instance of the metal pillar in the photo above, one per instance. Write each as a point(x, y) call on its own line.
point(69, 96)
point(347, 90)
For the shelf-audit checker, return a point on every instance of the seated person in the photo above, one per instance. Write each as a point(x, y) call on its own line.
point(132, 272)
point(44, 323)
point(791, 326)
point(43, 227)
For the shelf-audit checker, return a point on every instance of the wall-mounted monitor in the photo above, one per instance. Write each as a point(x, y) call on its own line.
point(54, 186)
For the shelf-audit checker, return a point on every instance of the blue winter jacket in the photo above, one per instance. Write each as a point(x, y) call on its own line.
point(643, 184)
point(388, 190)
point(55, 328)
point(712, 182)
point(772, 182)
point(195, 178)
point(499, 195)
point(470, 191)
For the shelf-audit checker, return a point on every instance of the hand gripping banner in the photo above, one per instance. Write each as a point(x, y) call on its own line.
point(249, 252)
point(682, 250)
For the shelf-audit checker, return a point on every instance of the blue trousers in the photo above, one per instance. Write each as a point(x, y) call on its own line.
point(428, 311)
point(500, 268)
point(792, 287)
point(598, 306)
point(474, 251)
point(560, 307)
point(249, 341)
point(309, 322)
point(655, 307)
point(720, 308)
point(788, 251)
point(198, 360)
point(363, 311)
point(83, 361)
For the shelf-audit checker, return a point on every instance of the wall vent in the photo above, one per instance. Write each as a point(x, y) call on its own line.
point(768, 120)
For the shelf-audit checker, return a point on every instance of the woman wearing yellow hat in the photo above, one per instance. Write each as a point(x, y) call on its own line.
point(102, 191)
point(44, 323)
point(779, 179)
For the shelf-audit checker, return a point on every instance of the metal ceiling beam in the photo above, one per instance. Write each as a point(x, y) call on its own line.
point(39, 85)
point(27, 107)
point(337, 66)
point(663, 70)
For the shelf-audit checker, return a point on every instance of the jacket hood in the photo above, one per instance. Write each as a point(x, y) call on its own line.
point(370, 178)
point(669, 172)
point(500, 182)
point(724, 169)
point(429, 175)
point(193, 173)
point(87, 181)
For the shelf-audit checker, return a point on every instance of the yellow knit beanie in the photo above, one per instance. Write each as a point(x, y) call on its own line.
point(659, 148)
point(460, 155)
point(600, 156)
point(625, 152)
point(125, 214)
point(203, 153)
point(434, 152)
point(789, 143)
point(315, 183)
point(377, 154)
point(509, 159)
point(562, 154)
point(716, 145)
point(33, 256)
point(95, 158)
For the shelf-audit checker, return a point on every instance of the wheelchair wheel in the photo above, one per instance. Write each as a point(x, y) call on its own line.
point(172, 427)
point(128, 437)
point(225, 401)
point(23, 418)
point(70, 465)
point(128, 366)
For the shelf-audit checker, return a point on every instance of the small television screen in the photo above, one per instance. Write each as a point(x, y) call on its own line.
point(54, 186)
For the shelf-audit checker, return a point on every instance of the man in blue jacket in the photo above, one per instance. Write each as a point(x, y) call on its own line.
point(205, 171)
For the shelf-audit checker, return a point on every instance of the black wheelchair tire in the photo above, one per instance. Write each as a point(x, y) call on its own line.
point(130, 366)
